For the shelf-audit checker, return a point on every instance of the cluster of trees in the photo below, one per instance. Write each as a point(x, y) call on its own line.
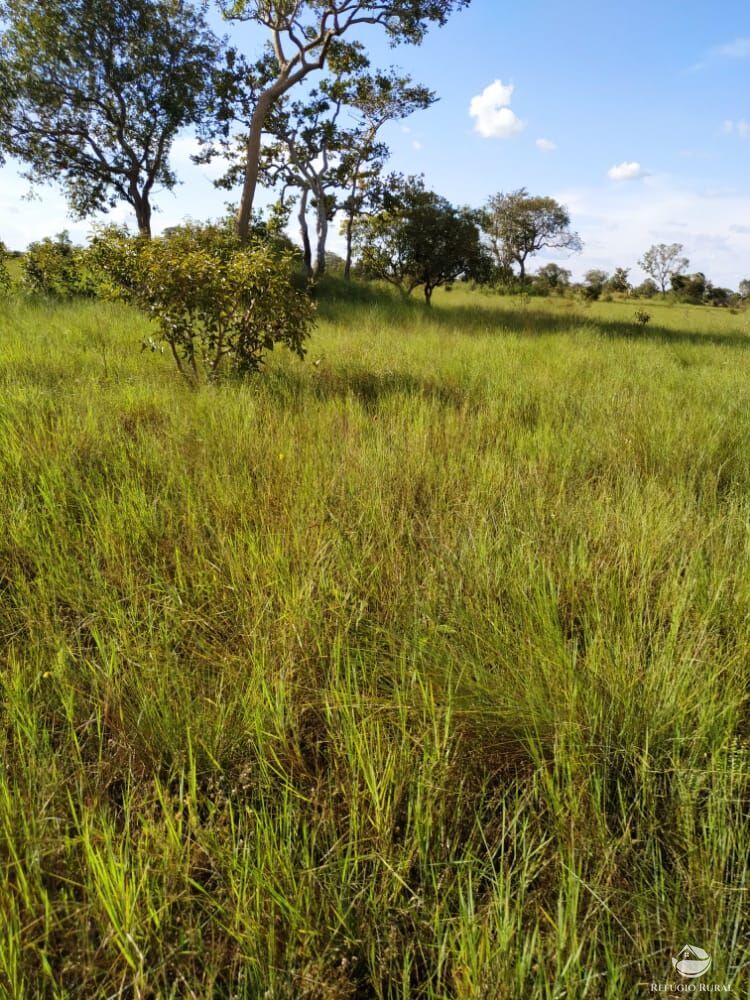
point(92, 95)
point(666, 266)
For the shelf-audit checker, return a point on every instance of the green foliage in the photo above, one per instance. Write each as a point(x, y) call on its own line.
point(219, 305)
point(5, 279)
point(689, 288)
point(552, 278)
point(594, 284)
point(96, 93)
point(618, 281)
point(305, 36)
point(57, 268)
point(647, 290)
point(641, 317)
point(420, 239)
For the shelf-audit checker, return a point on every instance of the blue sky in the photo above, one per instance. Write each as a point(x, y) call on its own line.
point(643, 109)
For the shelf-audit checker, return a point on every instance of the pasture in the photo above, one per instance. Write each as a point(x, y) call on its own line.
point(415, 670)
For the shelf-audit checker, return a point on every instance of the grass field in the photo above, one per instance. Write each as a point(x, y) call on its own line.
point(416, 670)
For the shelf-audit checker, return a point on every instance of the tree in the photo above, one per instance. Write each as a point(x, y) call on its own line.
point(303, 33)
point(618, 282)
point(647, 290)
point(594, 282)
point(323, 146)
point(518, 225)
point(744, 289)
point(691, 288)
point(552, 277)
point(98, 91)
point(663, 260)
point(379, 98)
point(420, 239)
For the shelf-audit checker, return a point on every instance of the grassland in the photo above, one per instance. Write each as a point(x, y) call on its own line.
point(418, 670)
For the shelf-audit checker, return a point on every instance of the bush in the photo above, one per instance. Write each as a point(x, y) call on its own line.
point(57, 268)
point(219, 305)
point(5, 282)
point(647, 290)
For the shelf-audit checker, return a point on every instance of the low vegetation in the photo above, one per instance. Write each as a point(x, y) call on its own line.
point(415, 671)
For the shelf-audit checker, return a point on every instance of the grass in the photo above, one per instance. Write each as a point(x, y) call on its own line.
point(418, 670)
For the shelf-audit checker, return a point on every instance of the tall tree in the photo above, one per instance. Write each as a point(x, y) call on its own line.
point(379, 98)
point(662, 261)
point(325, 146)
point(518, 225)
point(98, 92)
point(420, 240)
point(303, 33)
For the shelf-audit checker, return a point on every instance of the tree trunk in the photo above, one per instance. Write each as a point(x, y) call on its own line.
point(522, 275)
point(142, 208)
point(349, 240)
point(245, 214)
point(428, 290)
point(305, 233)
point(322, 231)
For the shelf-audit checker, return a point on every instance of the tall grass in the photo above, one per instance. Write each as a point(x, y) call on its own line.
point(418, 670)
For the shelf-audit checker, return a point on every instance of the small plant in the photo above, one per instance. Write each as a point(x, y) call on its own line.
point(642, 317)
point(57, 268)
point(220, 305)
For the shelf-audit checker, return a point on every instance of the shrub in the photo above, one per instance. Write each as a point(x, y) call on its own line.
point(5, 282)
point(219, 305)
point(57, 268)
point(642, 317)
point(647, 290)
point(113, 258)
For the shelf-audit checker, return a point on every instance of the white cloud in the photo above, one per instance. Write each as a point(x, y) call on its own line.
point(417, 145)
point(491, 109)
point(740, 128)
point(627, 171)
point(738, 49)
point(618, 223)
point(546, 145)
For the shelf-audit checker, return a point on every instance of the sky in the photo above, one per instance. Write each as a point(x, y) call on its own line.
point(635, 116)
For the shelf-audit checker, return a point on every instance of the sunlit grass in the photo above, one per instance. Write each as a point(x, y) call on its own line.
point(417, 670)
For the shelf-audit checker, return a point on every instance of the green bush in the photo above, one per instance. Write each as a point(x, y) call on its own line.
point(5, 282)
point(219, 305)
point(57, 268)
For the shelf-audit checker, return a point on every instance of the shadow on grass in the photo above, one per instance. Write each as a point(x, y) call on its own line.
point(367, 387)
point(491, 315)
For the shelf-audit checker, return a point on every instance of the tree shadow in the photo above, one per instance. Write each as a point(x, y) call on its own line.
point(367, 387)
point(491, 314)
point(536, 322)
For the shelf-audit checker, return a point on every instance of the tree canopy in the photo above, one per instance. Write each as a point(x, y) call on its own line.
point(420, 239)
point(326, 146)
point(303, 34)
point(95, 94)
